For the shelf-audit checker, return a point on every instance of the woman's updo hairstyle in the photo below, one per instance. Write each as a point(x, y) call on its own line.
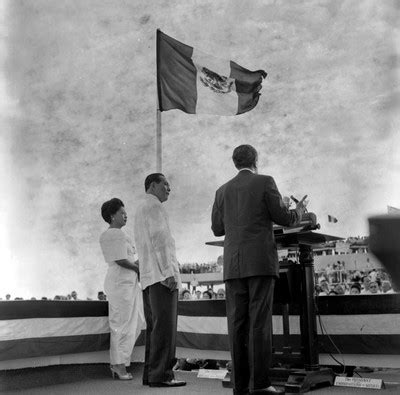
point(110, 208)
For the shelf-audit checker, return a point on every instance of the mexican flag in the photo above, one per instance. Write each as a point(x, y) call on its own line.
point(331, 218)
point(198, 83)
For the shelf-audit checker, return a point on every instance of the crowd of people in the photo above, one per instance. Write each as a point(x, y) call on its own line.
point(333, 280)
point(196, 268)
point(73, 296)
point(208, 294)
point(336, 280)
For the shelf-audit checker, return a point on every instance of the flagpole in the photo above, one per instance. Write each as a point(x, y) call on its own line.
point(159, 141)
point(158, 117)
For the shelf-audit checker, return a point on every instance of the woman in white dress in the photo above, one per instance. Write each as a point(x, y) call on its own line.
point(125, 304)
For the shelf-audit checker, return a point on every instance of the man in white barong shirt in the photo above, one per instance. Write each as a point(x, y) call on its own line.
point(160, 280)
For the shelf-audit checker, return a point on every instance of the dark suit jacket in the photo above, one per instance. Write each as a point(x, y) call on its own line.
point(244, 210)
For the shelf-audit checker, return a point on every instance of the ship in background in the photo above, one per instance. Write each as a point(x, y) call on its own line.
point(352, 254)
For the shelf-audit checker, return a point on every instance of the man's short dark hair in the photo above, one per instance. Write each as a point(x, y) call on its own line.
point(110, 207)
point(245, 156)
point(154, 177)
point(100, 295)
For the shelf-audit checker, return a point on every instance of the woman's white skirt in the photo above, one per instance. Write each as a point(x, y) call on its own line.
point(125, 312)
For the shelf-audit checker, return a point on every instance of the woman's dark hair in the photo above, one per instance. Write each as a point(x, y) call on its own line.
point(155, 177)
point(244, 156)
point(110, 207)
point(356, 285)
point(209, 293)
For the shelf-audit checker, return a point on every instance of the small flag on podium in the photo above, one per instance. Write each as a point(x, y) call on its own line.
point(333, 219)
point(393, 210)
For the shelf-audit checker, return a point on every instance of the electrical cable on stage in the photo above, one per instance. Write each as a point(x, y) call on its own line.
point(324, 331)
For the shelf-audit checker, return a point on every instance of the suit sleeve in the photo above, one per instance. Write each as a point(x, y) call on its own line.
point(217, 217)
point(279, 213)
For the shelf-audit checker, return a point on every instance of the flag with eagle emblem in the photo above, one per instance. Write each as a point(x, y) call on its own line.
point(198, 83)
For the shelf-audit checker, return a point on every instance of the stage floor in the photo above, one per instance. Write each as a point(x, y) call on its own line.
point(96, 379)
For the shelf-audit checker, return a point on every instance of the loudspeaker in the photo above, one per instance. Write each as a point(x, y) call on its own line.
point(384, 243)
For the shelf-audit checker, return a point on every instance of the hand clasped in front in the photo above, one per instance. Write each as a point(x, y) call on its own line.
point(170, 283)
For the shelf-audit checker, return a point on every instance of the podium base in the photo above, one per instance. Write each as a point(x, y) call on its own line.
point(304, 380)
point(295, 380)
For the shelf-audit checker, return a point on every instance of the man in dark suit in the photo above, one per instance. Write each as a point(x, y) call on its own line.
point(244, 210)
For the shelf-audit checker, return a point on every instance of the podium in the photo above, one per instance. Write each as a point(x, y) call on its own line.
point(310, 374)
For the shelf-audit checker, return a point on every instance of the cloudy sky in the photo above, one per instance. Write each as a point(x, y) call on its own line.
point(78, 121)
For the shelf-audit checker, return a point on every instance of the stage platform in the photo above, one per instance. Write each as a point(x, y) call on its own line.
point(96, 379)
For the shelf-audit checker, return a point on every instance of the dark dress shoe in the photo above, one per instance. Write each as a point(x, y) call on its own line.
point(171, 383)
point(274, 391)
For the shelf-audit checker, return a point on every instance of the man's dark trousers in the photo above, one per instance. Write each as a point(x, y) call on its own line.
point(160, 310)
point(249, 311)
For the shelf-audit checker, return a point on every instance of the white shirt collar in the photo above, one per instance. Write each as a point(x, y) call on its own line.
point(151, 196)
point(246, 168)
